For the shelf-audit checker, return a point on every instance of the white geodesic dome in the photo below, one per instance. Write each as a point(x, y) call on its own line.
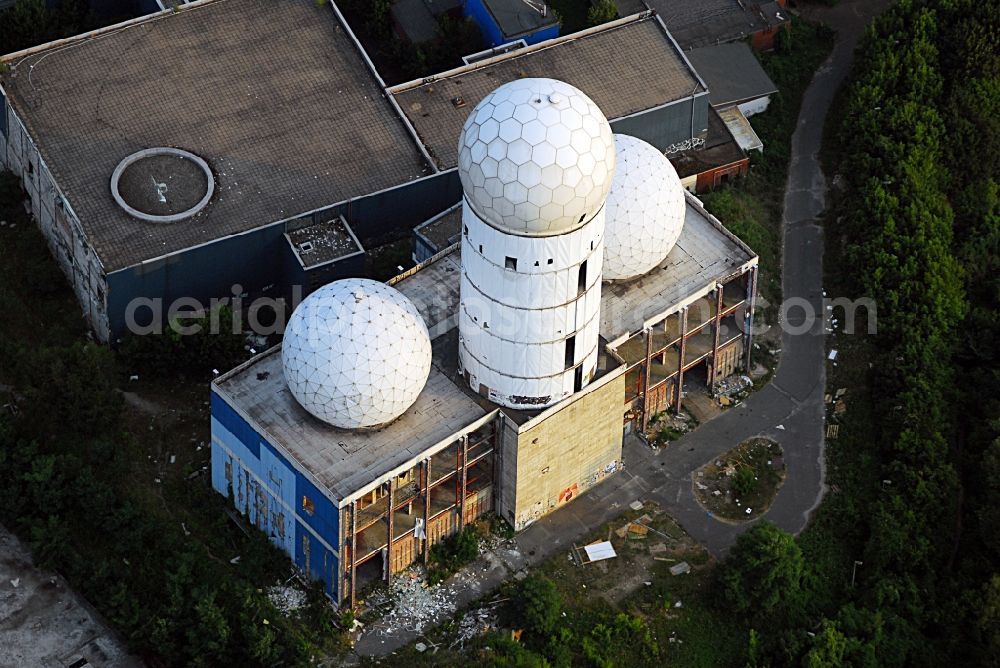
point(356, 353)
point(536, 157)
point(645, 210)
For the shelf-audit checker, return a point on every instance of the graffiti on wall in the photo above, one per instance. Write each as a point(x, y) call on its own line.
point(568, 494)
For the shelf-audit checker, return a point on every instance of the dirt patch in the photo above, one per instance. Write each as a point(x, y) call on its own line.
point(740, 484)
point(43, 623)
point(644, 540)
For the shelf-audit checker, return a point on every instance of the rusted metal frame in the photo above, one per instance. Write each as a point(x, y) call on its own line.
point(354, 551)
point(680, 360)
point(465, 481)
point(748, 321)
point(497, 462)
point(715, 342)
point(427, 506)
point(647, 372)
point(391, 514)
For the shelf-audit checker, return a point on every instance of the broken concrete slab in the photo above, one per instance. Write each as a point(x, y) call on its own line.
point(45, 623)
point(681, 568)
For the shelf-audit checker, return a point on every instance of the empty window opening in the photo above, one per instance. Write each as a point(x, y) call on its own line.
point(480, 249)
point(510, 263)
point(582, 216)
point(578, 379)
point(549, 262)
point(308, 506)
point(466, 230)
point(581, 280)
point(570, 351)
point(536, 263)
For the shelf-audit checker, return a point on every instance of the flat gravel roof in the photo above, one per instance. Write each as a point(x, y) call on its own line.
point(626, 68)
point(273, 94)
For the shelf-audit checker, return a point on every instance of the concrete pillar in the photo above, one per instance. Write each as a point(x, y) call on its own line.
point(427, 507)
point(680, 359)
point(464, 472)
point(645, 379)
point(354, 551)
point(388, 556)
point(748, 318)
point(715, 342)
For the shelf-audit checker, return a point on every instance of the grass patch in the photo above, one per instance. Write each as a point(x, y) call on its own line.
point(744, 478)
point(603, 613)
point(572, 14)
point(752, 207)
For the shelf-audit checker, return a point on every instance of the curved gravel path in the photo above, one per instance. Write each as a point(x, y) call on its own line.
point(790, 409)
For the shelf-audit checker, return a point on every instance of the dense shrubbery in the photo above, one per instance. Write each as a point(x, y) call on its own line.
point(452, 553)
point(193, 355)
point(31, 22)
point(920, 233)
point(398, 59)
point(64, 485)
point(76, 484)
point(602, 12)
point(595, 635)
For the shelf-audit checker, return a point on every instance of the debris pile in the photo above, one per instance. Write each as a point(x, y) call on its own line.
point(475, 622)
point(410, 603)
point(732, 390)
point(286, 599)
point(666, 427)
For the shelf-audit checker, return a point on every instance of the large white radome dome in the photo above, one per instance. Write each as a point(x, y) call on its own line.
point(356, 353)
point(536, 157)
point(645, 210)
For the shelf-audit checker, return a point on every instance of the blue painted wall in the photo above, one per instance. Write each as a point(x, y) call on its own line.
point(269, 491)
point(262, 262)
point(492, 33)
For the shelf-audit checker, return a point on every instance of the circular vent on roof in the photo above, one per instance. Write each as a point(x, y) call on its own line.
point(162, 185)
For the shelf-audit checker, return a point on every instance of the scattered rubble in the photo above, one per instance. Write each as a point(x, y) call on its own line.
point(475, 622)
point(286, 599)
point(409, 603)
point(731, 391)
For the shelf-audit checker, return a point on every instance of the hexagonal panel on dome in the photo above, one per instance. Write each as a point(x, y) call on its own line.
point(528, 140)
point(645, 210)
point(356, 353)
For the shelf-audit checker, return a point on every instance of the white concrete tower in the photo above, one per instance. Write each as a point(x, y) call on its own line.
point(536, 159)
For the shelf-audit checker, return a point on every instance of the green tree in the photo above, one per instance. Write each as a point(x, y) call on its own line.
point(538, 605)
point(989, 620)
point(744, 481)
point(761, 577)
point(602, 11)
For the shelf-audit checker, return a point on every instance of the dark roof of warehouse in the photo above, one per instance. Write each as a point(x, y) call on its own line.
point(272, 93)
point(720, 149)
point(517, 17)
point(414, 17)
point(626, 67)
point(732, 73)
point(695, 23)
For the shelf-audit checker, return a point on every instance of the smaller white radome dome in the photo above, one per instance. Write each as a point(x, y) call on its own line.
point(356, 353)
point(645, 210)
point(536, 157)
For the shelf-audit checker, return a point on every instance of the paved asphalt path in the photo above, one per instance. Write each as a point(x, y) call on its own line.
point(789, 409)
